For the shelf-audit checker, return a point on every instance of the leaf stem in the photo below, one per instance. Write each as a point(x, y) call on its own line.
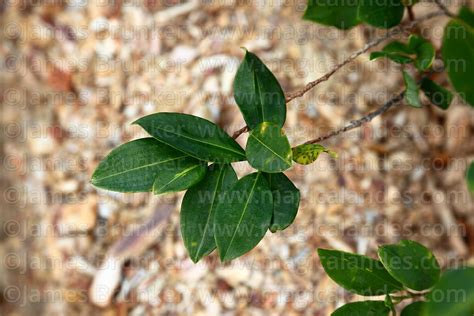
point(365, 119)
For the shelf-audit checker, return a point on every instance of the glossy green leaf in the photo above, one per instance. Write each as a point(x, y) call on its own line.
point(365, 308)
point(339, 13)
point(243, 217)
point(179, 176)
point(381, 13)
point(268, 148)
point(258, 93)
point(410, 263)
point(358, 274)
point(398, 58)
point(286, 199)
point(424, 50)
point(134, 166)
point(414, 309)
point(467, 16)
point(412, 93)
point(453, 294)
point(308, 153)
point(199, 207)
point(193, 135)
point(470, 177)
point(438, 95)
point(458, 55)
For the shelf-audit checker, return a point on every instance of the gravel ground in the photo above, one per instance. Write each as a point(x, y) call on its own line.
point(75, 74)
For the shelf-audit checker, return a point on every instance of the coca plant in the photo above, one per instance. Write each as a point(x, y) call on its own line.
point(185, 152)
point(190, 153)
point(404, 272)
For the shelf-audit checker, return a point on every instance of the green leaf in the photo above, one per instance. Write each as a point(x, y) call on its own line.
point(470, 177)
point(467, 16)
point(243, 217)
point(398, 58)
point(258, 93)
point(438, 95)
point(412, 92)
point(193, 135)
point(424, 50)
point(308, 153)
point(365, 308)
point(183, 174)
point(414, 309)
point(198, 208)
point(398, 47)
point(358, 274)
point(134, 166)
point(410, 263)
point(286, 199)
point(268, 148)
point(458, 55)
point(339, 13)
point(453, 294)
point(381, 13)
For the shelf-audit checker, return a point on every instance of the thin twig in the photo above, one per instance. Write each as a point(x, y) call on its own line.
point(357, 123)
point(444, 8)
point(389, 34)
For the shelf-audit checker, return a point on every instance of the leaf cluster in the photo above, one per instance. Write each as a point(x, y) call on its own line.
point(186, 152)
point(403, 271)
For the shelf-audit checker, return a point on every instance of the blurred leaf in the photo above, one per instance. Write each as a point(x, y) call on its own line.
point(268, 148)
point(438, 95)
point(470, 177)
point(198, 209)
point(339, 13)
point(365, 308)
point(410, 263)
point(412, 93)
point(286, 199)
point(308, 153)
point(467, 16)
point(258, 93)
point(183, 174)
point(381, 13)
point(243, 216)
point(414, 309)
point(458, 55)
point(358, 274)
point(453, 294)
point(424, 50)
point(398, 47)
point(193, 135)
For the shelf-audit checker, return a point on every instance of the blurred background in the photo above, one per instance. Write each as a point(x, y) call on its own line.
point(75, 74)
